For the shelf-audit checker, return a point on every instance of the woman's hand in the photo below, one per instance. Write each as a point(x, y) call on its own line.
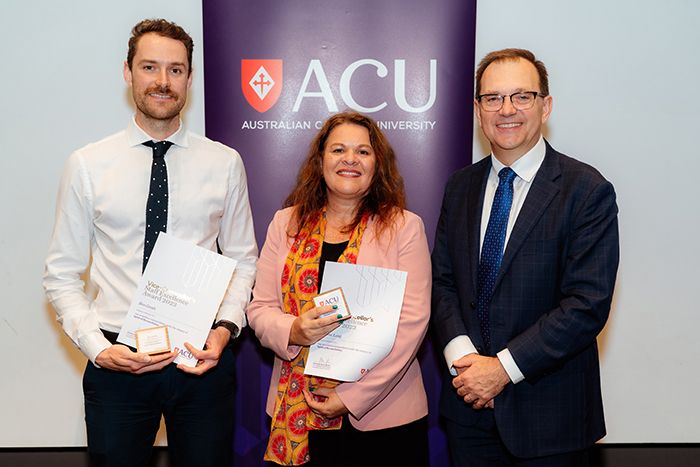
point(309, 328)
point(325, 402)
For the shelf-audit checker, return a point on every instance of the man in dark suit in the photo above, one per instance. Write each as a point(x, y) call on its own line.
point(524, 266)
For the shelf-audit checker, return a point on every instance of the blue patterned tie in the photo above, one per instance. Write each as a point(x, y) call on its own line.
point(492, 250)
point(157, 204)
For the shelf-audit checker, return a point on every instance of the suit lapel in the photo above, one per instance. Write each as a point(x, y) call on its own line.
point(541, 194)
point(474, 211)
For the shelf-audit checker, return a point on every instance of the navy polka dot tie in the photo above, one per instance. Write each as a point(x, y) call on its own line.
point(157, 204)
point(492, 250)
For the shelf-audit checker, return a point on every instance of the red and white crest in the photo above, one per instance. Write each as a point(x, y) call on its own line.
point(261, 81)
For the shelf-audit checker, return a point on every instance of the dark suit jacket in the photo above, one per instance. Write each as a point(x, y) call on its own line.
point(551, 299)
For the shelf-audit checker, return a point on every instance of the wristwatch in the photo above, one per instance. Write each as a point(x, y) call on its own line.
point(233, 329)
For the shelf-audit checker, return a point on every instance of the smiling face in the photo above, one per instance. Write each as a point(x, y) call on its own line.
point(512, 132)
point(159, 80)
point(348, 163)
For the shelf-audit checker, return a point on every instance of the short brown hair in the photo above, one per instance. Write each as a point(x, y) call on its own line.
point(385, 197)
point(512, 54)
point(162, 28)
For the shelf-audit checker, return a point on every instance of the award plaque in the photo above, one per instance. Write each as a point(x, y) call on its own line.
point(334, 297)
point(153, 341)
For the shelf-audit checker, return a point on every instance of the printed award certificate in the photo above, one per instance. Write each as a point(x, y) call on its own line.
point(374, 297)
point(182, 288)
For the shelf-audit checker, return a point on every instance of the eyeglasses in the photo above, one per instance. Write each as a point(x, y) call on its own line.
point(521, 100)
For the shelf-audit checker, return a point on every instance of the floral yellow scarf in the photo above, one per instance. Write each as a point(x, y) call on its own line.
point(292, 417)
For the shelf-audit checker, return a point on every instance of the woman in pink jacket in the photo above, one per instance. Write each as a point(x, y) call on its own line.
point(347, 206)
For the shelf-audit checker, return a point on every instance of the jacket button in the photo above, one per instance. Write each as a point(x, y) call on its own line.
point(473, 305)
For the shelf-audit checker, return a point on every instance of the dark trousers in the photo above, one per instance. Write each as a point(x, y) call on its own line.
point(123, 412)
point(405, 446)
point(480, 445)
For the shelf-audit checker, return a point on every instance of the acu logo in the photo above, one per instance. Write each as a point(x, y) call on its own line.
point(262, 83)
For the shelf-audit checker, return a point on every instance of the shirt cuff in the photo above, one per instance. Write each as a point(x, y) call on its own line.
point(93, 345)
point(510, 366)
point(457, 348)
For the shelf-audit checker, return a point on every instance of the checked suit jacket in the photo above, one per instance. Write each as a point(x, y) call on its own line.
point(551, 299)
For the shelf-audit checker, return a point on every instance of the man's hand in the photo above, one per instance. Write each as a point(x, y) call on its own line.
point(479, 379)
point(217, 340)
point(309, 328)
point(120, 358)
point(460, 370)
point(327, 405)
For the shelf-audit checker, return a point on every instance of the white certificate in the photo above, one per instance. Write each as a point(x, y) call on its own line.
point(374, 296)
point(182, 288)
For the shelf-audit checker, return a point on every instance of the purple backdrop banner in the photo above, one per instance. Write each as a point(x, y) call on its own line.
point(276, 70)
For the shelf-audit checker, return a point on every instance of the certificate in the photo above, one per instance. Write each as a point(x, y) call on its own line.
point(182, 288)
point(374, 297)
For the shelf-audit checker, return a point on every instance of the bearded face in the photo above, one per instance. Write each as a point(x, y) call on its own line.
point(159, 78)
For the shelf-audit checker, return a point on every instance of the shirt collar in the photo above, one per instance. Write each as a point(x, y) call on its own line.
point(136, 136)
point(527, 166)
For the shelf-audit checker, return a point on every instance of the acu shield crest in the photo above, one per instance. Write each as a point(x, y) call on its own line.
point(261, 81)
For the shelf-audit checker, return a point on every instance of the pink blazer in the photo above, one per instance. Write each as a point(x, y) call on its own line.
point(392, 393)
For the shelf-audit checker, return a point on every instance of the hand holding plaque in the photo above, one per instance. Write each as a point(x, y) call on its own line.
point(334, 297)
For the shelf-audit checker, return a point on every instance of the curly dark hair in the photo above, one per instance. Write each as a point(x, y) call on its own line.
point(385, 199)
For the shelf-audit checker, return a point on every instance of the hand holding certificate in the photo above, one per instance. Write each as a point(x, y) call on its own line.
point(374, 298)
point(182, 288)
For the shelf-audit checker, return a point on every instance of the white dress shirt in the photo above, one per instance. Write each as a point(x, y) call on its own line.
point(525, 168)
point(101, 212)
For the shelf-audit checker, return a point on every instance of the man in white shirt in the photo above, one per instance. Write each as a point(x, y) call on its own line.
point(101, 214)
point(524, 267)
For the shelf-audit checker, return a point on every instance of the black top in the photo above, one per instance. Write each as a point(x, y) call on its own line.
point(329, 252)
